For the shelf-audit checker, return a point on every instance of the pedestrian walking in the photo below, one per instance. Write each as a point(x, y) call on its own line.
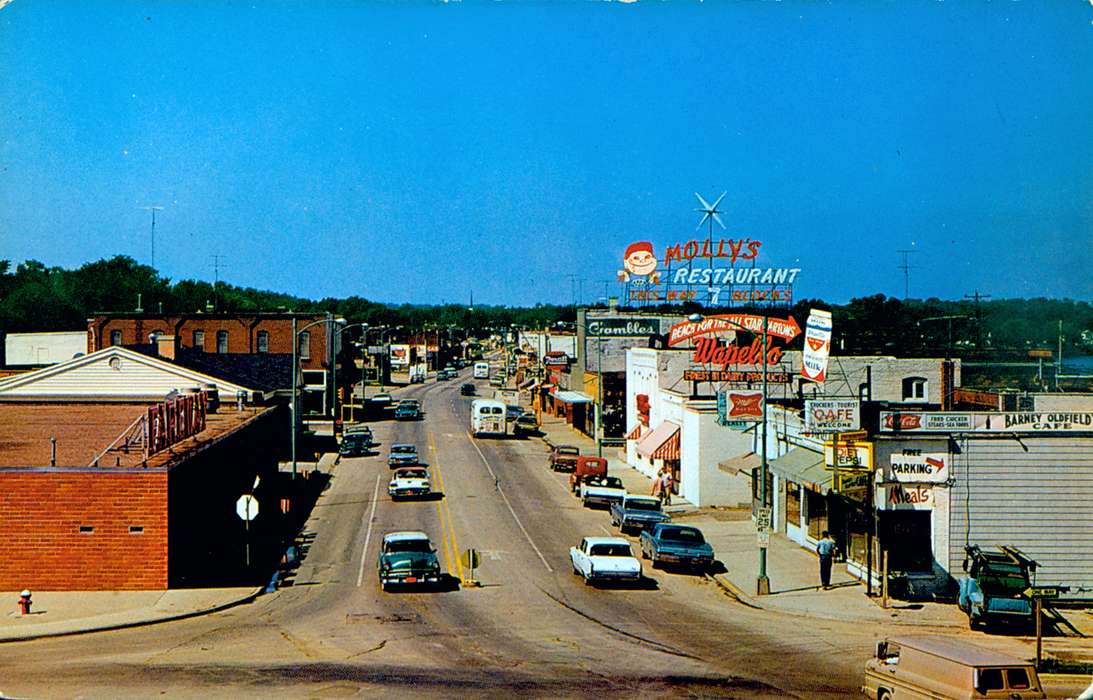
point(826, 549)
point(657, 483)
point(666, 487)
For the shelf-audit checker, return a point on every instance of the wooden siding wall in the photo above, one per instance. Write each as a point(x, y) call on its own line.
point(1038, 500)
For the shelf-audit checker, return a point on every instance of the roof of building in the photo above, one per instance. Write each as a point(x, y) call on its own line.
point(84, 430)
point(265, 372)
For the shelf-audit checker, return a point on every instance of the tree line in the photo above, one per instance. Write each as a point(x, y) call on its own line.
point(34, 297)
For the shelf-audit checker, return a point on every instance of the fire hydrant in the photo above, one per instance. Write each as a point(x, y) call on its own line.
point(24, 602)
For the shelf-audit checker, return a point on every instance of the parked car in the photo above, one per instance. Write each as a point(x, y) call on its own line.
point(676, 544)
point(409, 482)
point(382, 401)
point(442, 375)
point(601, 559)
point(563, 458)
point(355, 444)
point(525, 425)
point(994, 589)
point(402, 455)
point(468, 389)
point(601, 491)
point(408, 411)
point(407, 558)
point(585, 467)
point(946, 667)
point(637, 513)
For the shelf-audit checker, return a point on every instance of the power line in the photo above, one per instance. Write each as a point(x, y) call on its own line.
point(906, 267)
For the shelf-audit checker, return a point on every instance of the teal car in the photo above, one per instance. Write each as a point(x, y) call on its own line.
point(407, 558)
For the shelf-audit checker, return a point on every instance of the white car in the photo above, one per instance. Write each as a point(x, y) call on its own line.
point(601, 491)
point(605, 559)
point(409, 482)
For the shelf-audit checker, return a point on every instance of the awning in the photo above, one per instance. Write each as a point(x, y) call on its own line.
point(573, 397)
point(658, 444)
point(804, 467)
point(635, 433)
point(741, 463)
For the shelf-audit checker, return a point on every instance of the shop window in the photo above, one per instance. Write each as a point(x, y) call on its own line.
point(793, 503)
point(199, 340)
point(263, 341)
point(914, 389)
point(222, 342)
point(136, 529)
point(115, 337)
point(304, 345)
point(86, 529)
point(815, 514)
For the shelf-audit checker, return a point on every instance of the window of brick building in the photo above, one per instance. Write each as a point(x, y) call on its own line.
point(222, 342)
point(115, 337)
point(914, 389)
point(263, 341)
point(199, 340)
point(304, 350)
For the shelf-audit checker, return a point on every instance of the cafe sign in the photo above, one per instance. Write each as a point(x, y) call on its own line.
point(622, 327)
point(832, 416)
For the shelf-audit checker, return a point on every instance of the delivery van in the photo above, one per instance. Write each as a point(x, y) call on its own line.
point(481, 370)
point(946, 667)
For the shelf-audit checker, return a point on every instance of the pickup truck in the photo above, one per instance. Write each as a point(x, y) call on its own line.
point(994, 589)
point(601, 491)
point(676, 544)
point(605, 559)
point(586, 468)
point(637, 513)
point(563, 458)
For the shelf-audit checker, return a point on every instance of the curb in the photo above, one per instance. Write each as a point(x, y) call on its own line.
point(734, 592)
point(110, 627)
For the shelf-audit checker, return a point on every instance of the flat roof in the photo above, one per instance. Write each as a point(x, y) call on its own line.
point(84, 430)
point(957, 650)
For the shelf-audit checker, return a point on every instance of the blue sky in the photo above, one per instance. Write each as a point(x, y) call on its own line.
point(419, 152)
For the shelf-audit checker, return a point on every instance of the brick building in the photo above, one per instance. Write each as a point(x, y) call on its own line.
point(232, 334)
point(132, 523)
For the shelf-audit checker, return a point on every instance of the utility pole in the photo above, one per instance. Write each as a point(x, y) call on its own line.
point(906, 267)
point(153, 209)
point(216, 283)
point(978, 319)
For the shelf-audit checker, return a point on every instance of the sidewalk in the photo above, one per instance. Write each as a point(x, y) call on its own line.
point(59, 613)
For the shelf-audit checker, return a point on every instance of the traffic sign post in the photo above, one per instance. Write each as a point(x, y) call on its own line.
point(1038, 595)
point(247, 508)
point(471, 560)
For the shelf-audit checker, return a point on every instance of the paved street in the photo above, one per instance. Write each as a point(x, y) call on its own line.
point(532, 626)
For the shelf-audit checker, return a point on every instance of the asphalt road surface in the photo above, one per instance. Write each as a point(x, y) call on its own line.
point(532, 627)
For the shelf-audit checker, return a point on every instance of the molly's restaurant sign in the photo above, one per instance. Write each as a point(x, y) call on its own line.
point(988, 422)
point(622, 327)
point(738, 279)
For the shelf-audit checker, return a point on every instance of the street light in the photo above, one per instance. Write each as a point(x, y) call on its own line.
point(296, 371)
point(334, 365)
point(762, 582)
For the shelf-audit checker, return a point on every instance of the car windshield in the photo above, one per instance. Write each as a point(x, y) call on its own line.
point(409, 546)
point(610, 550)
point(411, 474)
point(568, 451)
point(643, 505)
point(1006, 584)
point(403, 449)
point(607, 482)
point(354, 438)
point(682, 534)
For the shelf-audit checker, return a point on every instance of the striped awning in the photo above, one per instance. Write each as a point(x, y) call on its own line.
point(662, 443)
point(635, 433)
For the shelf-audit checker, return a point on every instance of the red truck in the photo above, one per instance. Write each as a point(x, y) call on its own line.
point(586, 468)
point(563, 458)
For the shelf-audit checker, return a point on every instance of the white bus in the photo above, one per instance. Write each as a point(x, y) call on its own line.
point(487, 417)
point(481, 370)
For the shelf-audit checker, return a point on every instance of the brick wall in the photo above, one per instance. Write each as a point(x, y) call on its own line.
point(42, 512)
point(242, 333)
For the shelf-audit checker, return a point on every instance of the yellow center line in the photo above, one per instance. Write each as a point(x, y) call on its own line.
point(444, 512)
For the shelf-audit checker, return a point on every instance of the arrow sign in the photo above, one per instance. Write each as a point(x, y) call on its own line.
point(1041, 592)
point(784, 328)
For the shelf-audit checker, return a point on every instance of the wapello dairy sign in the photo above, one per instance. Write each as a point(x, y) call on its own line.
point(720, 271)
point(734, 362)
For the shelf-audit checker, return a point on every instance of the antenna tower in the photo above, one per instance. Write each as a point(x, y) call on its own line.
point(710, 213)
point(153, 209)
point(906, 267)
